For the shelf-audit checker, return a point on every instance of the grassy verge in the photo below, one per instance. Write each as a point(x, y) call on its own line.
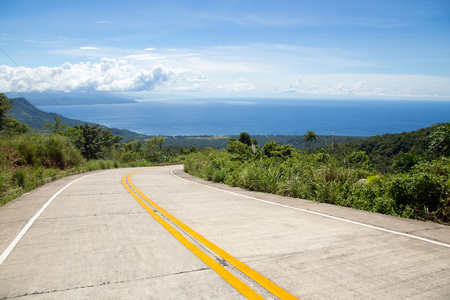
point(421, 193)
point(30, 160)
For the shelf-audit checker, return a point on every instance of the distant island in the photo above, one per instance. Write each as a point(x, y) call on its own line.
point(72, 98)
point(24, 111)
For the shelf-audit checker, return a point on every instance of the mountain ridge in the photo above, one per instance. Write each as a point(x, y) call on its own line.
point(25, 112)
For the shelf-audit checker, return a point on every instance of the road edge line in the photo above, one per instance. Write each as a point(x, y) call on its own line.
point(322, 214)
point(30, 222)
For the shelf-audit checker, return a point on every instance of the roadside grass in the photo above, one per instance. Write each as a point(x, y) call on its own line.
point(28, 161)
point(421, 193)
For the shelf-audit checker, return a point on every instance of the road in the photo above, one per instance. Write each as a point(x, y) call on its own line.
point(94, 239)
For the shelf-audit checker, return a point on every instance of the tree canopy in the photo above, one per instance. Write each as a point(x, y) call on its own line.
point(440, 140)
point(5, 106)
point(310, 136)
point(244, 138)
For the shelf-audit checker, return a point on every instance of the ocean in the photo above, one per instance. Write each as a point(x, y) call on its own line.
point(191, 117)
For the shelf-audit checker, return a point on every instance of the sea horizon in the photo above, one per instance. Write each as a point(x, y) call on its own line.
point(223, 117)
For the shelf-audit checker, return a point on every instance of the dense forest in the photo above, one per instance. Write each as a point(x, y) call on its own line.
point(382, 150)
point(404, 174)
point(221, 142)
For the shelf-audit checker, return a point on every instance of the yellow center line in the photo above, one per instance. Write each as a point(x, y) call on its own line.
point(263, 281)
point(240, 286)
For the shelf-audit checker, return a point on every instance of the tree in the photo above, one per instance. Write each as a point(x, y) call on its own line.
point(274, 149)
point(153, 148)
point(440, 140)
point(5, 106)
point(93, 141)
point(244, 138)
point(58, 127)
point(403, 162)
point(132, 151)
point(10, 125)
point(15, 127)
point(357, 160)
point(238, 147)
point(310, 136)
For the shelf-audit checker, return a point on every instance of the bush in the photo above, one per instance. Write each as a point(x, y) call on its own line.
point(19, 178)
point(422, 193)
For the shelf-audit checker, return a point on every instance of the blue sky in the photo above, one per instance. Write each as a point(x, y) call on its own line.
point(298, 49)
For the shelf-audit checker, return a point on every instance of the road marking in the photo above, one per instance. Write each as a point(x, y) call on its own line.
point(234, 281)
point(13, 244)
point(322, 214)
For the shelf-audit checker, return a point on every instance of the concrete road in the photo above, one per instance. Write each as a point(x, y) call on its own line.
point(94, 240)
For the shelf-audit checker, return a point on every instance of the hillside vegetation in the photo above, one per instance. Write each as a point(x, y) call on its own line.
point(221, 142)
point(382, 150)
point(25, 112)
point(417, 186)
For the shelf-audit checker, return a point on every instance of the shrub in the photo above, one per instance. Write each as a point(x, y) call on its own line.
point(19, 178)
point(420, 191)
point(423, 192)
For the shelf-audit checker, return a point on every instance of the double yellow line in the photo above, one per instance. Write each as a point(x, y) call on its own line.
point(243, 288)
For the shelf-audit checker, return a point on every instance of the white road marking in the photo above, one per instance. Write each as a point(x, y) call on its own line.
point(13, 244)
point(321, 214)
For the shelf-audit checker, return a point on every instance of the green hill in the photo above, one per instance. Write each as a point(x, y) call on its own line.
point(24, 111)
point(382, 149)
point(221, 142)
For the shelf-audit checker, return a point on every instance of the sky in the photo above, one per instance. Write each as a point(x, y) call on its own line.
point(354, 49)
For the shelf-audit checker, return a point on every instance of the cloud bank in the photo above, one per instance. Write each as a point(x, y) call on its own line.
point(371, 85)
point(131, 75)
point(110, 75)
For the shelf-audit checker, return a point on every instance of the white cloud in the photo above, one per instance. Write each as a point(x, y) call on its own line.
point(195, 71)
point(88, 48)
point(371, 85)
point(241, 85)
point(108, 75)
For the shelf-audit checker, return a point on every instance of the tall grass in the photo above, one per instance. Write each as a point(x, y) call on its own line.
point(423, 192)
point(31, 160)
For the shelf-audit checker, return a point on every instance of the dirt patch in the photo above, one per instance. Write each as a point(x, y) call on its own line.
point(11, 157)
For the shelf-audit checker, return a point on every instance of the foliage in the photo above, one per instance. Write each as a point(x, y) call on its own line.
point(245, 138)
point(93, 141)
point(153, 149)
point(382, 150)
point(8, 124)
point(310, 136)
point(34, 149)
point(403, 162)
point(239, 148)
point(37, 120)
point(273, 149)
point(14, 127)
point(58, 127)
point(422, 193)
point(5, 106)
point(440, 140)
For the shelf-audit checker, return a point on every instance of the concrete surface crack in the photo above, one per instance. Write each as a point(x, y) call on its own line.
point(420, 230)
point(104, 284)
